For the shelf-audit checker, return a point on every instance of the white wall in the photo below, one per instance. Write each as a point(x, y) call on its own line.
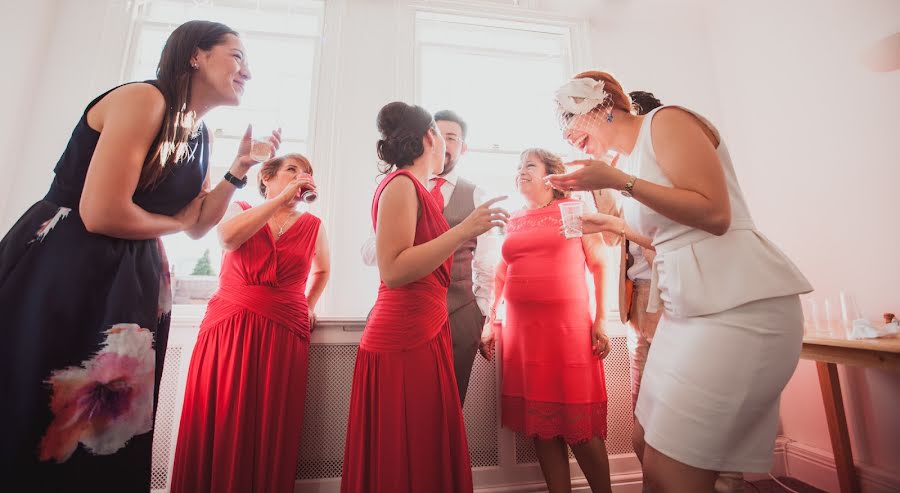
point(26, 31)
point(814, 137)
point(657, 46)
point(72, 53)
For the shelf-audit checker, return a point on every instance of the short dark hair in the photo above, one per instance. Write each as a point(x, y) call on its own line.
point(451, 116)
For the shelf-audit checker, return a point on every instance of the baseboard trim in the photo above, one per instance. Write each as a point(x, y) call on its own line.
point(815, 467)
point(621, 483)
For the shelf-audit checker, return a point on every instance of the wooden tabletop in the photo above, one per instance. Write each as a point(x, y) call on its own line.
point(883, 352)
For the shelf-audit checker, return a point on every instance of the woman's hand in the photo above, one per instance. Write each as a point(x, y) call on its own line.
point(593, 175)
point(243, 162)
point(601, 223)
point(188, 216)
point(599, 340)
point(291, 191)
point(484, 217)
point(312, 320)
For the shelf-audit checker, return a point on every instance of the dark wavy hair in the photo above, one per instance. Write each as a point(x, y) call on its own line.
point(644, 102)
point(402, 127)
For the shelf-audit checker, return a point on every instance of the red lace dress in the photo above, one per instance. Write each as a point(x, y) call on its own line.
point(553, 385)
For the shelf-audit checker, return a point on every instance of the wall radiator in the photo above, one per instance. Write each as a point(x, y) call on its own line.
point(500, 459)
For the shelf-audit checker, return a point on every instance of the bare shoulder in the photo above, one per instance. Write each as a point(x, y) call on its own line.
point(400, 185)
point(674, 124)
point(131, 103)
point(673, 119)
point(139, 97)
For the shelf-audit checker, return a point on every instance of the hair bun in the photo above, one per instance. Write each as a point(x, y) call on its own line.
point(402, 128)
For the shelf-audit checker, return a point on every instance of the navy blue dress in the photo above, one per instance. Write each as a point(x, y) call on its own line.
point(84, 330)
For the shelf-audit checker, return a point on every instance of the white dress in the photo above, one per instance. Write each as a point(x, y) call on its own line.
point(729, 338)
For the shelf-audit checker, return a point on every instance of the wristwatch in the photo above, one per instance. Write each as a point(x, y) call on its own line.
point(237, 182)
point(629, 186)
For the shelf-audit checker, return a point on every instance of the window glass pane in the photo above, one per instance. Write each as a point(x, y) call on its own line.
point(468, 32)
point(510, 108)
point(270, 16)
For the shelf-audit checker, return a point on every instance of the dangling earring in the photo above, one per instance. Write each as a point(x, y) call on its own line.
point(609, 117)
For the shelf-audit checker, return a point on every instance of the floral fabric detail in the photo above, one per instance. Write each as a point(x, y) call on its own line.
point(106, 401)
point(49, 224)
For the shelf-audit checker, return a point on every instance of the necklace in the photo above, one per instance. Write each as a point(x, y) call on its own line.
point(281, 228)
point(541, 207)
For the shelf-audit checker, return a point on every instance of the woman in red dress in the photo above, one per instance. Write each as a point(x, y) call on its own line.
point(243, 403)
point(405, 432)
point(553, 385)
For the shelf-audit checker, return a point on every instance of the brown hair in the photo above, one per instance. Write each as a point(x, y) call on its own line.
point(553, 165)
point(402, 127)
point(619, 97)
point(270, 168)
point(174, 74)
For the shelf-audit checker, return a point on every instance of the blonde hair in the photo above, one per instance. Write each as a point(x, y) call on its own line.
point(553, 165)
point(270, 168)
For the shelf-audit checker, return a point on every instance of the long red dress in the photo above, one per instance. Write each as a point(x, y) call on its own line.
point(405, 432)
point(243, 404)
point(553, 385)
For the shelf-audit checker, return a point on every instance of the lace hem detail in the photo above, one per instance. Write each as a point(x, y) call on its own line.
point(575, 423)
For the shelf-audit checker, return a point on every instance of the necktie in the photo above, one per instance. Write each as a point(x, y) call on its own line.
point(436, 191)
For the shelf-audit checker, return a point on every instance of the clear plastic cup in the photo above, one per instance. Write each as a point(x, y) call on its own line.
point(571, 218)
point(261, 150)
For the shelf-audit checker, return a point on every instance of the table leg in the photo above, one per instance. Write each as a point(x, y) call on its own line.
point(837, 426)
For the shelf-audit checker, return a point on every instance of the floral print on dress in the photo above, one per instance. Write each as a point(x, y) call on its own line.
point(49, 224)
point(106, 401)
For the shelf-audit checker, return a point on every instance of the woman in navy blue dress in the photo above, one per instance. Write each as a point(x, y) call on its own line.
point(84, 283)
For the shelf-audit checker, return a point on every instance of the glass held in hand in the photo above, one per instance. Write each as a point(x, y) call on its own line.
point(571, 219)
point(261, 150)
point(308, 193)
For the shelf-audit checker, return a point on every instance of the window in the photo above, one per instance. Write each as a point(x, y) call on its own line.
point(282, 41)
point(499, 76)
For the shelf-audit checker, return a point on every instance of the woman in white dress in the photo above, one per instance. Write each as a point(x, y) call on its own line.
point(731, 329)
